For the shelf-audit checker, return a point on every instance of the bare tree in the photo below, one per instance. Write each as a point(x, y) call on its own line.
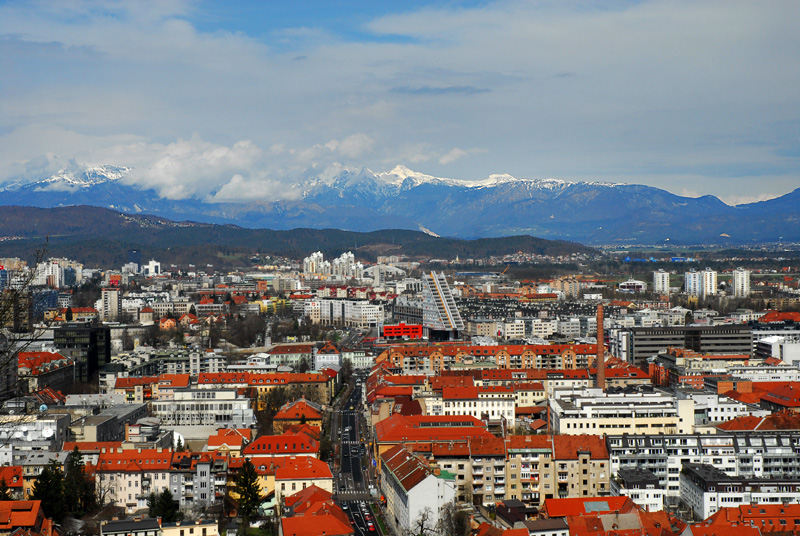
point(423, 525)
point(453, 521)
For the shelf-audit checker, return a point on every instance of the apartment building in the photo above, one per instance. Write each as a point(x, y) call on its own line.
point(706, 489)
point(127, 477)
point(642, 486)
point(411, 486)
point(223, 408)
point(592, 411)
point(542, 467)
point(749, 454)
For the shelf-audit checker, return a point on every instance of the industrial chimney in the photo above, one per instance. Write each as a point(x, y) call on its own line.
point(600, 361)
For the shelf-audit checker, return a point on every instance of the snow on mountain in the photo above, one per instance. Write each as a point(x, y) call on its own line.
point(70, 180)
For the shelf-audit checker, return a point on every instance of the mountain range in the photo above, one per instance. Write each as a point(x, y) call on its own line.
point(102, 237)
point(501, 205)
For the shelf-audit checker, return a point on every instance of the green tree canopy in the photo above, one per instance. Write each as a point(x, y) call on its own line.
point(49, 488)
point(79, 496)
point(249, 492)
point(165, 506)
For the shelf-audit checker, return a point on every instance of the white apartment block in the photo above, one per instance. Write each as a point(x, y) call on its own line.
point(592, 411)
point(706, 489)
point(746, 454)
point(223, 408)
point(741, 283)
point(661, 282)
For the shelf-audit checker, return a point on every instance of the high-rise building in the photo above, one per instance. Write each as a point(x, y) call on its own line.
point(709, 278)
point(440, 316)
point(89, 346)
point(112, 304)
point(661, 282)
point(693, 283)
point(741, 283)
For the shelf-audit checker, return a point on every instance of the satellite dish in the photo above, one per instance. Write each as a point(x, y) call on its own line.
point(43, 408)
point(47, 432)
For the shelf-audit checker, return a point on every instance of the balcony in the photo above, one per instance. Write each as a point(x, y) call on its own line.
point(563, 477)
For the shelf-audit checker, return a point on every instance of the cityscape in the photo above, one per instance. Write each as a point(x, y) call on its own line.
point(423, 268)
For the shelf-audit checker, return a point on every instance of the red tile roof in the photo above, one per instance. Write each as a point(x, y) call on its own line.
point(284, 445)
point(296, 410)
point(12, 474)
point(132, 381)
point(407, 468)
point(581, 506)
point(303, 468)
point(20, 514)
point(767, 517)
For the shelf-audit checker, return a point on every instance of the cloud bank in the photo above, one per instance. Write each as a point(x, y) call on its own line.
point(203, 102)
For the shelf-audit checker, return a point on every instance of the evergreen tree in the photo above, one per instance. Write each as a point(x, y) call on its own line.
point(79, 497)
point(68, 316)
point(5, 491)
point(164, 505)
point(249, 492)
point(49, 488)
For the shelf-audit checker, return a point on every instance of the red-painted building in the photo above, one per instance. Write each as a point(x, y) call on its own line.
point(402, 331)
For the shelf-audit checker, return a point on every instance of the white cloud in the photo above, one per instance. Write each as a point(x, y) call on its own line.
point(191, 168)
point(452, 155)
point(687, 94)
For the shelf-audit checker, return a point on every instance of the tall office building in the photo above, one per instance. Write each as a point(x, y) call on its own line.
point(661, 282)
point(88, 346)
point(440, 316)
point(741, 283)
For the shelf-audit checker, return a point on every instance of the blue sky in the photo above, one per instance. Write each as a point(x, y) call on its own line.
point(243, 100)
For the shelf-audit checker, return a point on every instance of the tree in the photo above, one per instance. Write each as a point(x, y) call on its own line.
point(347, 370)
point(49, 488)
point(5, 491)
point(423, 524)
point(79, 492)
point(179, 446)
point(453, 521)
point(165, 506)
point(304, 365)
point(249, 492)
point(68, 315)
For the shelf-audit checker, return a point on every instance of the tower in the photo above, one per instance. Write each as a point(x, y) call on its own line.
point(600, 361)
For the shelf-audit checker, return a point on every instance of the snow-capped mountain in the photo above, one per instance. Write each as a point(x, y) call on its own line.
point(500, 205)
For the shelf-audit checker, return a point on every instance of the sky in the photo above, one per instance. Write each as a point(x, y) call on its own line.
point(225, 101)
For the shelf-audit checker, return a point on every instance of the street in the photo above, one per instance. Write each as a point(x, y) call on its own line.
point(353, 487)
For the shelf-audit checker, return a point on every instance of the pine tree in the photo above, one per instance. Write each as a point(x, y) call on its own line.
point(164, 505)
point(5, 491)
point(249, 492)
point(49, 488)
point(79, 497)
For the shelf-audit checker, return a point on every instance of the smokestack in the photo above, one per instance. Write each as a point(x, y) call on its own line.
point(600, 361)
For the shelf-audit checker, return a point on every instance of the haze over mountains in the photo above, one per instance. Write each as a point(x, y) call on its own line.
point(501, 205)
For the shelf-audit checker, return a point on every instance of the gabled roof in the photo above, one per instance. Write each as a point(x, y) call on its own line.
point(12, 474)
point(297, 409)
point(132, 381)
point(581, 506)
point(303, 468)
point(15, 514)
point(780, 420)
point(284, 445)
point(407, 469)
point(307, 496)
point(134, 461)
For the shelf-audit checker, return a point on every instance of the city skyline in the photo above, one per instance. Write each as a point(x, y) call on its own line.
point(206, 100)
